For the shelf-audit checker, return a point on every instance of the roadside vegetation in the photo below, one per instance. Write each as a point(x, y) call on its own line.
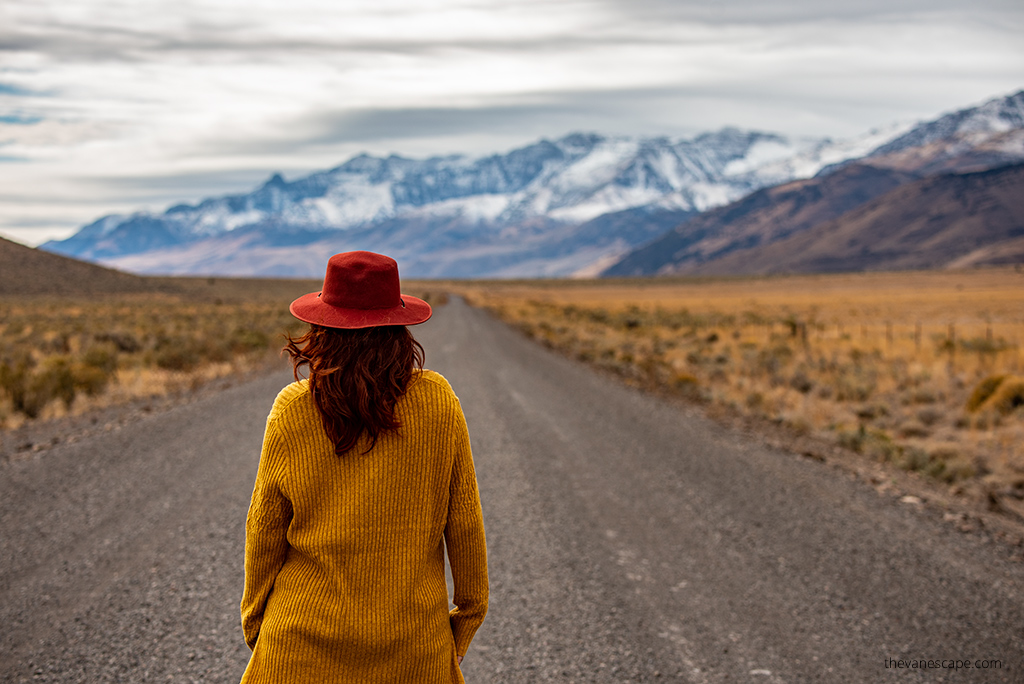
point(61, 356)
point(923, 371)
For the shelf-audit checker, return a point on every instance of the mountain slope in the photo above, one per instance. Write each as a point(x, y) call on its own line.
point(27, 271)
point(950, 220)
point(760, 218)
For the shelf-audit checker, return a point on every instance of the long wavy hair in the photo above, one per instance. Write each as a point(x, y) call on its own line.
point(356, 378)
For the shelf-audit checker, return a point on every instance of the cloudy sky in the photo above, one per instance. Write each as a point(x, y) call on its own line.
point(117, 105)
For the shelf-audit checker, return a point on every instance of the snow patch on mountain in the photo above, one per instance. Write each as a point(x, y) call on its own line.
point(996, 116)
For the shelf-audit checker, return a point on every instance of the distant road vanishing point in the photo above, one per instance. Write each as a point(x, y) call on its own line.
point(630, 540)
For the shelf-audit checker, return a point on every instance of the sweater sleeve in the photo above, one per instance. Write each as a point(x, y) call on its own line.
point(266, 528)
point(464, 539)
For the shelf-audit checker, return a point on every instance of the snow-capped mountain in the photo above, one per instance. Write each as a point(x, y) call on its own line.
point(969, 139)
point(974, 124)
point(944, 193)
point(501, 212)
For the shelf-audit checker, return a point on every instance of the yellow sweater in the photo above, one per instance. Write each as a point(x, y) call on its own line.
point(344, 556)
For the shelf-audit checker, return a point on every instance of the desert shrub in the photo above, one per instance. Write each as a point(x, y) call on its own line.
point(124, 342)
point(985, 389)
point(55, 380)
point(771, 360)
point(90, 379)
point(176, 354)
point(245, 340)
point(54, 343)
point(753, 318)
point(913, 458)
point(879, 444)
point(586, 355)
point(922, 395)
point(755, 401)
point(1008, 396)
point(914, 429)
point(984, 345)
point(433, 298)
point(14, 377)
point(801, 383)
point(102, 357)
point(943, 462)
point(798, 425)
point(655, 370)
point(947, 464)
point(875, 443)
point(872, 411)
point(987, 420)
point(929, 415)
point(854, 384)
point(687, 385)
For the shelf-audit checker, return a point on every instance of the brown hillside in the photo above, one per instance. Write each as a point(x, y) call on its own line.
point(760, 218)
point(28, 271)
point(954, 220)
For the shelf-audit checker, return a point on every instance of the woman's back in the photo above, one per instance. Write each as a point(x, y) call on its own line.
point(365, 478)
point(358, 586)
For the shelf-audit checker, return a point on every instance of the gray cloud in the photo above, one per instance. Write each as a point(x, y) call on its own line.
point(803, 11)
point(77, 42)
point(177, 187)
point(534, 116)
point(833, 110)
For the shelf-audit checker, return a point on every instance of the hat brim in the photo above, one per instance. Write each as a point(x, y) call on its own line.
point(311, 309)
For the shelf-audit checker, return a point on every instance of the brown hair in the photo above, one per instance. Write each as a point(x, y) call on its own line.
point(356, 377)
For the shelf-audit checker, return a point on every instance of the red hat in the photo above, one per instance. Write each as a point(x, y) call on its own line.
point(361, 290)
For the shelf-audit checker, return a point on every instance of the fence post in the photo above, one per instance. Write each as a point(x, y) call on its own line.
point(952, 348)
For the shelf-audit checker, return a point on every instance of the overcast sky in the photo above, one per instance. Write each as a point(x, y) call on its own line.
point(116, 105)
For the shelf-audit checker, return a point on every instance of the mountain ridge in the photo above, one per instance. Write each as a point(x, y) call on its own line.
point(504, 210)
point(563, 207)
point(977, 139)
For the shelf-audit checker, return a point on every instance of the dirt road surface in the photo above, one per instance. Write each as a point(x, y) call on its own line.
point(630, 540)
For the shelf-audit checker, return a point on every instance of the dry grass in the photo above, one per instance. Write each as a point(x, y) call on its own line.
point(61, 355)
point(884, 364)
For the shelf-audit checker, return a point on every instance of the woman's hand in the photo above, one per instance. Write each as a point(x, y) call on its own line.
point(458, 658)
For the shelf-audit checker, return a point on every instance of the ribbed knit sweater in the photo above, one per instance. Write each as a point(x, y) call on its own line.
point(344, 556)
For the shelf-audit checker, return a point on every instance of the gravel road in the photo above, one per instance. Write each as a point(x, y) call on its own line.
point(630, 540)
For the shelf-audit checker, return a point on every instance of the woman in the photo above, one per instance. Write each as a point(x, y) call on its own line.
point(365, 478)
